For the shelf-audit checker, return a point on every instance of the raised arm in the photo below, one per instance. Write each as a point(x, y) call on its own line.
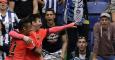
point(35, 6)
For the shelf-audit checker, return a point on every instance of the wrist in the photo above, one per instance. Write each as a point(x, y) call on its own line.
point(25, 38)
point(69, 25)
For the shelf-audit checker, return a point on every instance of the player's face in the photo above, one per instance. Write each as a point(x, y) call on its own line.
point(37, 24)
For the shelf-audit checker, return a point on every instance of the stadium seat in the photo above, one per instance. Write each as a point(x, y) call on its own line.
point(97, 7)
point(101, 0)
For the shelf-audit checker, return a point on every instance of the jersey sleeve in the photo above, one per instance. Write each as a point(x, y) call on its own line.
point(15, 34)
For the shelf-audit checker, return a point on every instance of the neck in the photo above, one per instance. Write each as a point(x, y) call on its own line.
point(82, 52)
point(3, 12)
point(105, 27)
point(51, 25)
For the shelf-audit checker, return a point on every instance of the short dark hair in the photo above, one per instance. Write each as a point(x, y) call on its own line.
point(50, 9)
point(23, 23)
point(82, 37)
point(32, 17)
point(29, 19)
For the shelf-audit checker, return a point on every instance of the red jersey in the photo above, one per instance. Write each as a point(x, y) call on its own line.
point(40, 35)
point(18, 49)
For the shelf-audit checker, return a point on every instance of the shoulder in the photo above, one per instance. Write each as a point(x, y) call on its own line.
point(97, 26)
point(11, 12)
point(42, 30)
point(112, 25)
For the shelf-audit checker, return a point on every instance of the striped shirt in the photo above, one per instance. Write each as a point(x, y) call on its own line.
point(50, 4)
point(9, 22)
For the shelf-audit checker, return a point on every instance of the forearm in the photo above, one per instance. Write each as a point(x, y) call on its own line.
point(64, 50)
point(41, 2)
point(35, 6)
point(64, 46)
point(16, 35)
point(60, 28)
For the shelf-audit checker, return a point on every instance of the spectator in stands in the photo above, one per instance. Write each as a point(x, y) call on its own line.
point(57, 5)
point(54, 42)
point(104, 39)
point(3, 47)
point(8, 18)
point(23, 8)
point(82, 50)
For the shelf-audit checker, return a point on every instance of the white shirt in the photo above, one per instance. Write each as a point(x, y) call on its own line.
point(82, 57)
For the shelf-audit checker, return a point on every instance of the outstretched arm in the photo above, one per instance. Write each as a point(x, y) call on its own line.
point(35, 6)
point(60, 28)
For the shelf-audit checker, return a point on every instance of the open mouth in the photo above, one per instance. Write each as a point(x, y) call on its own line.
point(3, 5)
point(49, 20)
